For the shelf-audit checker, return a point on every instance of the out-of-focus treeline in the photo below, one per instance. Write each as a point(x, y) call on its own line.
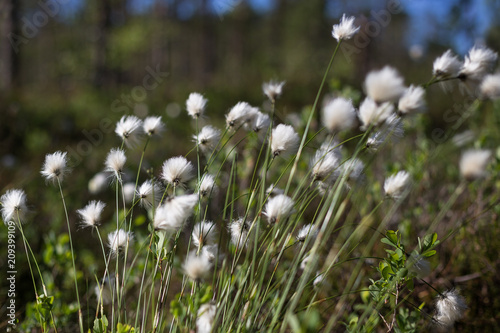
point(65, 74)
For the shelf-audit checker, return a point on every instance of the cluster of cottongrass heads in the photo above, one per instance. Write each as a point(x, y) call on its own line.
point(255, 255)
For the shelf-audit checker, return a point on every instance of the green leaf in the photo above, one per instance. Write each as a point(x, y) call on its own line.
point(429, 253)
point(101, 325)
point(388, 242)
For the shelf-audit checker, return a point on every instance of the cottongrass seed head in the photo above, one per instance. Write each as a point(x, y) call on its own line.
point(273, 191)
point(177, 171)
point(98, 183)
point(284, 140)
point(207, 139)
point(238, 115)
point(14, 207)
point(273, 89)
point(450, 307)
point(385, 85)
point(90, 215)
point(260, 123)
point(207, 186)
point(204, 233)
point(324, 164)
point(345, 29)
point(196, 267)
point(278, 208)
point(373, 114)
point(446, 66)
point(118, 240)
point(205, 318)
point(412, 101)
point(55, 167)
point(130, 130)
point(172, 215)
point(115, 162)
point(479, 62)
point(149, 193)
point(490, 87)
point(195, 105)
point(239, 230)
point(153, 126)
point(391, 130)
point(396, 185)
point(308, 231)
point(473, 163)
point(339, 115)
point(129, 192)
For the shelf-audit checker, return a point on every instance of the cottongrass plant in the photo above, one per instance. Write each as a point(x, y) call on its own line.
point(274, 228)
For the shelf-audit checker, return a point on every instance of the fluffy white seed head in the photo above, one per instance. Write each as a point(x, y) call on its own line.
point(324, 164)
point(153, 126)
point(205, 318)
point(172, 215)
point(307, 231)
point(446, 66)
point(385, 85)
point(195, 105)
point(238, 115)
point(450, 307)
point(204, 233)
point(260, 123)
point(149, 193)
point(55, 166)
point(14, 206)
point(278, 208)
point(373, 114)
point(115, 162)
point(196, 267)
point(118, 240)
point(479, 62)
point(396, 185)
point(90, 215)
point(98, 183)
point(177, 171)
point(412, 101)
point(207, 139)
point(129, 129)
point(284, 140)
point(391, 129)
point(339, 115)
point(473, 163)
point(129, 192)
point(239, 229)
point(273, 89)
point(490, 87)
point(273, 191)
point(207, 186)
point(352, 169)
point(345, 29)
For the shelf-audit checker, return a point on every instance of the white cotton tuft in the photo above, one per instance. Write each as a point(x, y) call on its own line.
point(207, 139)
point(14, 207)
point(207, 186)
point(130, 130)
point(177, 171)
point(172, 215)
point(153, 126)
point(115, 162)
point(385, 85)
point(339, 115)
point(204, 233)
point(372, 114)
point(284, 140)
point(195, 105)
point(447, 66)
point(238, 115)
point(396, 185)
point(490, 87)
point(278, 208)
point(273, 89)
point(55, 166)
point(473, 163)
point(91, 214)
point(118, 240)
point(196, 267)
point(149, 193)
point(205, 318)
point(345, 29)
point(450, 307)
point(412, 101)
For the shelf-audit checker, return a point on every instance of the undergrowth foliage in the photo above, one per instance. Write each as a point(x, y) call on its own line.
point(264, 225)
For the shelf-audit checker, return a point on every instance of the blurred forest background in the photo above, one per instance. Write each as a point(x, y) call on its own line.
point(69, 69)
